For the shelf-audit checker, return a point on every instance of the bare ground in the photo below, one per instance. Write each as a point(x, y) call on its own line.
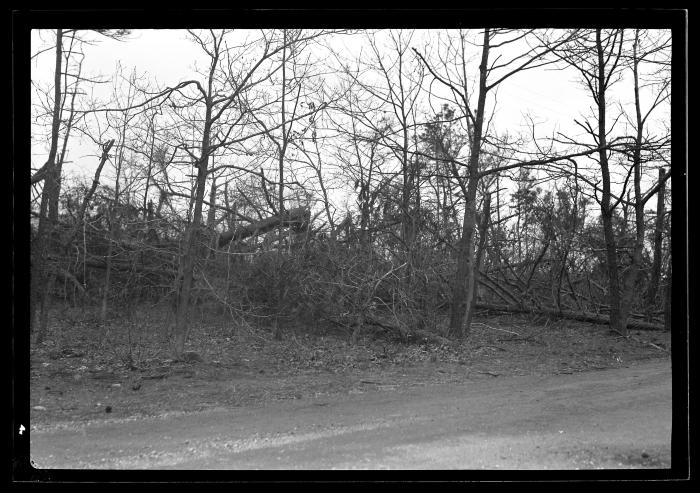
point(516, 395)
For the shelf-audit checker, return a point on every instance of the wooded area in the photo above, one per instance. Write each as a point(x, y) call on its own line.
point(292, 182)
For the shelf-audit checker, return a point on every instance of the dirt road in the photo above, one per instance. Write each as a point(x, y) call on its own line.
point(618, 418)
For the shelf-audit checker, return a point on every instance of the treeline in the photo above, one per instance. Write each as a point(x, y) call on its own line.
point(264, 189)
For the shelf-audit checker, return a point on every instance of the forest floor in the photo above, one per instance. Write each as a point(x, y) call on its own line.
point(75, 379)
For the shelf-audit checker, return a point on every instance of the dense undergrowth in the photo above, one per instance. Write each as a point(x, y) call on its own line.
point(82, 369)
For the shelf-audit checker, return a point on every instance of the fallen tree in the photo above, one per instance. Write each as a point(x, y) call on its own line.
point(405, 334)
point(580, 316)
point(297, 218)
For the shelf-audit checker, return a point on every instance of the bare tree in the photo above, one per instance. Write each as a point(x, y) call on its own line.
point(599, 57)
point(124, 119)
point(362, 156)
point(49, 173)
point(224, 96)
point(394, 80)
point(450, 70)
point(642, 145)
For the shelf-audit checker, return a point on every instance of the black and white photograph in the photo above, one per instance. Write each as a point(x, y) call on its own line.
point(332, 247)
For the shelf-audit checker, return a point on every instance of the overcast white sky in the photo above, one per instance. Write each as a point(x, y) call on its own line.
point(554, 97)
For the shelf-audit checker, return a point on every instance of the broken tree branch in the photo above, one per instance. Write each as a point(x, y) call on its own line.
point(298, 218)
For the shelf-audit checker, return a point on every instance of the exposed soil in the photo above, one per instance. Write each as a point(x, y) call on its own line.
point(76, 384)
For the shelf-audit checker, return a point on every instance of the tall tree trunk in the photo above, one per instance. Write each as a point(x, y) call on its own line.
point(464, 278)
point(149, 169)
point(231, 225)
point(283, 147)
point(108, 277)
point(40, 281)
point(211, 213)
point(658, 243)
point(277, 328)
point(193, 233)
point(606, 209)
point(192, 236)
point(567, 243)
point(53, 206)
point(407, 232)
point(668, 293)
point(483, 231)
point(630, 280)
point(211, 220)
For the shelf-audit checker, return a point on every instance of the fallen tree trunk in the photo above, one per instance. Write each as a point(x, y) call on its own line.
point(580, 316)
point(125, 266)
point(297, 218)
point(403, 333)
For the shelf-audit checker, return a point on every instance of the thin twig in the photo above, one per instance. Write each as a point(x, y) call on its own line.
point(647, 343)
point(492, 347)
point(495, 328)
point(487, 373)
